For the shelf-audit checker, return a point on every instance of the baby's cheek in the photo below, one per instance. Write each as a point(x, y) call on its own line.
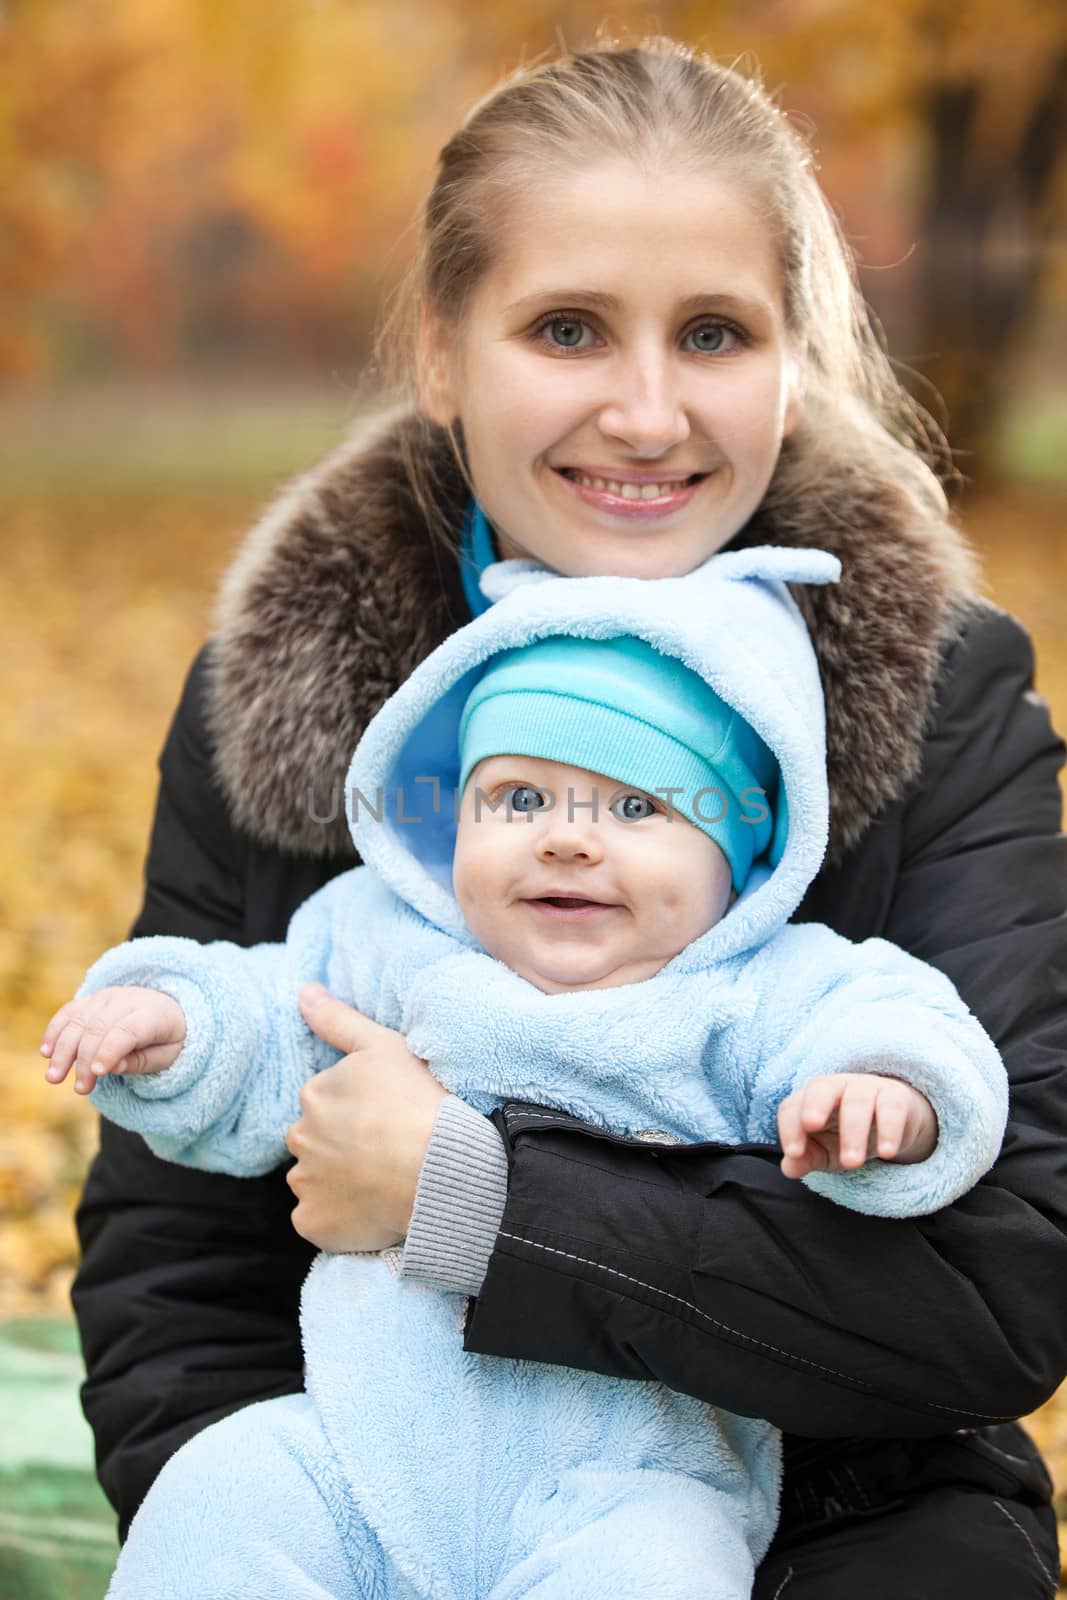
point(473, 883)
point(686, 911)
point(663, 928)
point(464, 884)
point(671, 897)
point(468, 868)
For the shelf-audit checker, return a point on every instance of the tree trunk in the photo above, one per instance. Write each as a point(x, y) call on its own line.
point(985, 224)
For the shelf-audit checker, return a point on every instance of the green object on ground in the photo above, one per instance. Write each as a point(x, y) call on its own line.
point(57, 1531)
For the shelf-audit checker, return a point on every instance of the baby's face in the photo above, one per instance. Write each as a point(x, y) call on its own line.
point(572, 895)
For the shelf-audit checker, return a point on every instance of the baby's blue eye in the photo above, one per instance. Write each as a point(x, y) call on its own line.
point(632, 808)
point(525, 798)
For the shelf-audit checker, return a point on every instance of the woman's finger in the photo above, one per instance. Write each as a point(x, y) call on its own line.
point(340, 1025)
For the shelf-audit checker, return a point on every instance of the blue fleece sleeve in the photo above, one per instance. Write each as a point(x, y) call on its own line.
point(828, 1006)
point(226, 1102)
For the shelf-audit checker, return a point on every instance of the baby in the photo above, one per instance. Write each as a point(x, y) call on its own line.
point(602, 928)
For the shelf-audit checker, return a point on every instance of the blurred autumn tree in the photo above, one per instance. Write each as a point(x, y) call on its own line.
point(982, 104)
point(987, 221)
point(190, 184)
point(222, 183)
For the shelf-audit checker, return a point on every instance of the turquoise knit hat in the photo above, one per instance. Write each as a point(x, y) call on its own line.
point(619, 707)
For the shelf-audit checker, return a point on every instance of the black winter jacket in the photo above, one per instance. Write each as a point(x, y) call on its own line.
point(699, 1265)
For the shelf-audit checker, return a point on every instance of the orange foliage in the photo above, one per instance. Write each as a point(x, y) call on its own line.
point(175, 171)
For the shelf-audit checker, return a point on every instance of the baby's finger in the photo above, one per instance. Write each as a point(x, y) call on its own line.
point(64, 1051)
point(820, 1100)
point(791, 1135)
point(149, 1058)
point(55, 1027)
point(85, 1080)
point(854, 1120)
point(93, 1034)
point(117, 1043)
point(891, 1115)
point(55, 1072)
point(798, 1166)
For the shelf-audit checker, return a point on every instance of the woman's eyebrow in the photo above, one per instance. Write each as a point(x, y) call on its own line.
point(736, 305)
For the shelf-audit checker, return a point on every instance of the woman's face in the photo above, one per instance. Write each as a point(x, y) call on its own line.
point(622, 373)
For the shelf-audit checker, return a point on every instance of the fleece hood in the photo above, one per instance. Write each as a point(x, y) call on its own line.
point(732, 621)
point(339, 591)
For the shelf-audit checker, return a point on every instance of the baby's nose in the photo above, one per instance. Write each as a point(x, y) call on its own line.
point(570, 844)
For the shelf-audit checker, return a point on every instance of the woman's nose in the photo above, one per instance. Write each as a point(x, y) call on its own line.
point(646, 409)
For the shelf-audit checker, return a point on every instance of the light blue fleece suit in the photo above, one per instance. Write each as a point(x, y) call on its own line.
point(410, 1467)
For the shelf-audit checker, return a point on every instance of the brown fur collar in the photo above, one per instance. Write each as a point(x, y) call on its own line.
point(338, 593)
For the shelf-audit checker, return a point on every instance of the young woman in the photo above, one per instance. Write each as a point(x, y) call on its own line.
point(638, 341)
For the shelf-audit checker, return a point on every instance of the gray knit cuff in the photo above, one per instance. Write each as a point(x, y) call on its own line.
point(459, 1201)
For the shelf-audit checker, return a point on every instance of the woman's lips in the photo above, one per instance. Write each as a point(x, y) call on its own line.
point(618, 505)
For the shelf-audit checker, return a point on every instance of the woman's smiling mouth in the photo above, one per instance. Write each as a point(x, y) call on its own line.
point(632, 496)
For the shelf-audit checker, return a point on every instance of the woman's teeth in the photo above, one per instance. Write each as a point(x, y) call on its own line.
point(629, 491)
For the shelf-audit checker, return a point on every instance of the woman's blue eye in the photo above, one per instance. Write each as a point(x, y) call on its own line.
point(709, 339)
point(524, 798)
point(633, 808)
point(712, 337)
point(565, 331)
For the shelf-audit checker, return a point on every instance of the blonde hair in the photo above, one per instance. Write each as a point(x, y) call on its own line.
point(663, 105)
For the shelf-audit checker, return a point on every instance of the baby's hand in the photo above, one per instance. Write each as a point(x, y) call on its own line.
point(115, 1030)
point(839, 1121)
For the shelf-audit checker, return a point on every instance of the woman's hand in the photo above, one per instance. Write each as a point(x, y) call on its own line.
point(362, 1139)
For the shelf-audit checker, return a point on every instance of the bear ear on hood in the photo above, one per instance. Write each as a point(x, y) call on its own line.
point(503, 577)
point(775, 563)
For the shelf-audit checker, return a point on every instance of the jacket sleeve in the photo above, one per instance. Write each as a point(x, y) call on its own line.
point(188, 1289)
point(707, 1269)
point(225, 1103)
point(828, 1006)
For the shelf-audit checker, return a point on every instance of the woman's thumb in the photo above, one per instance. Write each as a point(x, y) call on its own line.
point(339, 1024)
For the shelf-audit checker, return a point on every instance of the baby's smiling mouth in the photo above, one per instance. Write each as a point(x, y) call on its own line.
point(567, 905)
